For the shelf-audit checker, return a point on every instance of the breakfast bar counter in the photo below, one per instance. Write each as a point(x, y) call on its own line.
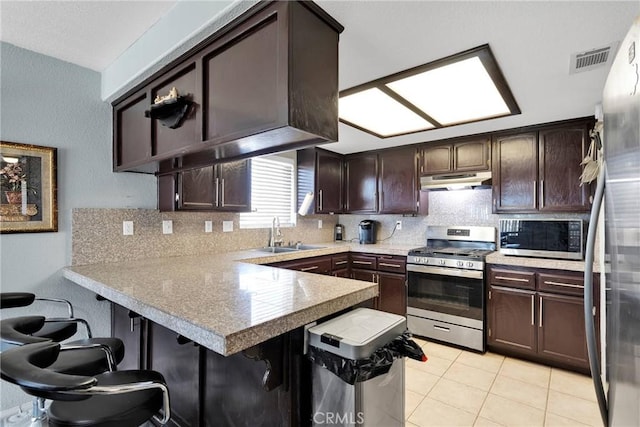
point(224, 302)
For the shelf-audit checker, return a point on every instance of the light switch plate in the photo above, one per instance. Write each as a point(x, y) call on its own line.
point(319, 223)
point(398, 225)
point(227, 226)
point(167, 226)
point(127, 228)
point(208, 226)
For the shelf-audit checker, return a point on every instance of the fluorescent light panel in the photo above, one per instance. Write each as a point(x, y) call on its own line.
point(458, 89)
point(376, 111)
point(455, 93)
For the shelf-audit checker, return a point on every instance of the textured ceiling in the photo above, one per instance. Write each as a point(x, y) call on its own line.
point(532, 42)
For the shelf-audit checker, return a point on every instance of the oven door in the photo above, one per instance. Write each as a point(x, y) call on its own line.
point(450, 291)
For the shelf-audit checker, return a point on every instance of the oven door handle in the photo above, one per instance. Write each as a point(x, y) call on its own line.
point(455, 272)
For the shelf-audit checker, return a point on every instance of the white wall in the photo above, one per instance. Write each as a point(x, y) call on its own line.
point(53, 103)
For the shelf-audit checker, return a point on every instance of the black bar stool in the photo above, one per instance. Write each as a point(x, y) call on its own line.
point(111, 399)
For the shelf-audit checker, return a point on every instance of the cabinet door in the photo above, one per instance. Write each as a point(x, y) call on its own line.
point(131, 132)
point(364, 275)
point(511, 316)
point(196, 189)
point(515, 173)
point(179, 365)
point(329, 182)
point(166, 140)
point(361, 182)
point(233, 180)
point(130, 328)
point(561, 331)
point(393, 293)
point(397, 181)
point(561, 151)
point(167, 192)
point(240, 97)
point(436, 160)
point(472, 155)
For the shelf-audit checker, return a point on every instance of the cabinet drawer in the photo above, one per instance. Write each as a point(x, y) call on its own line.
point(367, 262)
point(513, 279)
point(564, 283)
point(339, 262)
point(392, 264)
point(316, 265)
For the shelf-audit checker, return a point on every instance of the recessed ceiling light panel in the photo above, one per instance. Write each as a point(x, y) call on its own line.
point(461, 88)
point(377, 112)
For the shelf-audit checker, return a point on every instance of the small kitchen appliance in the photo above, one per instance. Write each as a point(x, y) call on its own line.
point(542, 238)
point(367, 232)
point(338, 232)
point(446, 285)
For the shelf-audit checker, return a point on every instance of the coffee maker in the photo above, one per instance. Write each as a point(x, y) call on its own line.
point(367, 231)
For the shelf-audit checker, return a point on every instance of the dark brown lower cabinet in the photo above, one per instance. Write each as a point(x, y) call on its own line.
point(538, 314)
point(393, 293)
point(511, 321)
point(179, 363)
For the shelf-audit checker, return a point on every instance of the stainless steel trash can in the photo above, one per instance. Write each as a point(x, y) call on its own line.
point(378, 401)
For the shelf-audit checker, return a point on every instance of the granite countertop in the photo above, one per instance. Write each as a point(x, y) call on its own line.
point(229, 302)
point(557, 264)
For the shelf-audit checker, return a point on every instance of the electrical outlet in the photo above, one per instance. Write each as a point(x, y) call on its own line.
point(127, 228)
point(208, 226)
point(227, 226)
point(319, 223)
point(398, 225)
point(167, 226)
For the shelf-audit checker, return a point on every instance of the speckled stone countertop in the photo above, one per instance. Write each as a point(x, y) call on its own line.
point(496, 258)
point(228, 302)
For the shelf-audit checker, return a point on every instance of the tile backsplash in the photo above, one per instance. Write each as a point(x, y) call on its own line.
point(98, 238)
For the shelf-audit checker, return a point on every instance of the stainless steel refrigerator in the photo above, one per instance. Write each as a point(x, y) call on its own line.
point(620, 183)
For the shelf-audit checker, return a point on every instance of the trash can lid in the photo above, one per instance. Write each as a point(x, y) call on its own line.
point(358, 333)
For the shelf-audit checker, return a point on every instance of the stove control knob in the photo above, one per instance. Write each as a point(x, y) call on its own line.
point(469, 264)
point(460, 263)
point(442, 262)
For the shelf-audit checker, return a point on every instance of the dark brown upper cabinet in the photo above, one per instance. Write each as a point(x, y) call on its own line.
point(267, 82)
point(361, 182)
point(220, 187)
point(322, 173)
point(382, 182)
point(539, 170)
point(398, 181)
point(468, 155)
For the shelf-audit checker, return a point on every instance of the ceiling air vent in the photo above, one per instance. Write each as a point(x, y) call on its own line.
point(586, 61)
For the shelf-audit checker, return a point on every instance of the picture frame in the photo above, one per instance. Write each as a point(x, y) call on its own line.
point(28, 188)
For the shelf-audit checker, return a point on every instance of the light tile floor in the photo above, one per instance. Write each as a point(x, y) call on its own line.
point(460, 388)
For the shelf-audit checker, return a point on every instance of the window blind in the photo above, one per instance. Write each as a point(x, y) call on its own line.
point(272, 193)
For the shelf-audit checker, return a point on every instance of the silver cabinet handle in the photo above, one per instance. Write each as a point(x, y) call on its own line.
point(362, 262)
point(217, 192)
point(542, 192)
point(222, 193)
point(513, 279)
point(540, 320)
point(309, 268)
point(567, 285)
point(177, 197)
point(533, 310)
point(340, 262)
point(373, 278)
point(320, 200)
point(384, 264)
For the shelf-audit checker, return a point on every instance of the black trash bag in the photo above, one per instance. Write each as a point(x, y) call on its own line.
point(379, 363)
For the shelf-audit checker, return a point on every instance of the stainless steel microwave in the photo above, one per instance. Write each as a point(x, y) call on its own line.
point(542, 238)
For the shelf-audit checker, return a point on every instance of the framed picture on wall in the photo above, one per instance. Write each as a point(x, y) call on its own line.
point(28, 191)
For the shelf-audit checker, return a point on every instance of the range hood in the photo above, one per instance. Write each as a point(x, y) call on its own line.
point(456, 181)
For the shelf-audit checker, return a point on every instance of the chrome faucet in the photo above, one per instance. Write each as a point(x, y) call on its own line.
point(275, 238)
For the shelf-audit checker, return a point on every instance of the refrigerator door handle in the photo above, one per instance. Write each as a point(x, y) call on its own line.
point(592, 345)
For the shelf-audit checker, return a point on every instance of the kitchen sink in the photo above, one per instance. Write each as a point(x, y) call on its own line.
point(285, 249)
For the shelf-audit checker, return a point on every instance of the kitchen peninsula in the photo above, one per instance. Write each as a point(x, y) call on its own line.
point(237, 312)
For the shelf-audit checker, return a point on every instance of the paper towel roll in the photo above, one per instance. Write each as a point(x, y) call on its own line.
point(306, 204)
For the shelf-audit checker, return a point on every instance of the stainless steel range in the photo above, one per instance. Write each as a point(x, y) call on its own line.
point(446, 285)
